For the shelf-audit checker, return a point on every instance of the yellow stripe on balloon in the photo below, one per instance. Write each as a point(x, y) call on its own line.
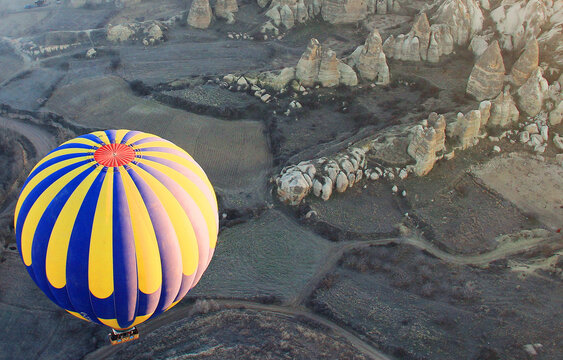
point(102, 136)
point(112, 323)
point(38, 208)
point(180, 221)
point(195, 193)
point(40, 177)
point(120, 134)
point(100, 262)
point(55, 261)
point(146, 246)
point(77, 315)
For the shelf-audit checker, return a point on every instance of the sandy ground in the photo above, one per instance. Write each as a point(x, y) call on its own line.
point(534, 186)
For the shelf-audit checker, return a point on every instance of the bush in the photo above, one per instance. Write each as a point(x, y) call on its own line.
point(139, 88)
point(115, 63)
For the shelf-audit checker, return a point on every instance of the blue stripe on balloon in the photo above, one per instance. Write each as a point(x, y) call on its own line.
point(79, 252)
point(168, 247)
point(94, 138)
point(111, 135)
point(51, 162)
point(129, 135)
point(124, 259)
point(37, 191)
point(41, 240)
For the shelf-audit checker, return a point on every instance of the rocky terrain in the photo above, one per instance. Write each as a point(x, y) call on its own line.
point(389, 172)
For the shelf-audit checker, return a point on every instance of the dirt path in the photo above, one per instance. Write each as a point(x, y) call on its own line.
point(294, 307)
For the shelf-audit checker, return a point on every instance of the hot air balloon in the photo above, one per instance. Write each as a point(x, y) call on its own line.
point(116, 227)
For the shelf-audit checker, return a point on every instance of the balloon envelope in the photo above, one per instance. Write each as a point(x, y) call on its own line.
point(116, 226)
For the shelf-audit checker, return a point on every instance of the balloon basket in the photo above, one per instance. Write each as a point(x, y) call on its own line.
point(118, 337)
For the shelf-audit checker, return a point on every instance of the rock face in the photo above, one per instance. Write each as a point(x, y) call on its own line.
point(503, 111)
point(517, 22)
point(487, 77)
point(531, 95)
point(344, 11)
point(320, 65)
point(225, 8)
point(200, 14)
point(526, 63)
point(426, 142)
point(371, 62)
point(464, 17)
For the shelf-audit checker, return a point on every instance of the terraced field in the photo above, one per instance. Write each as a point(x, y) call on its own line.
point(268, 256)
point(234, 154)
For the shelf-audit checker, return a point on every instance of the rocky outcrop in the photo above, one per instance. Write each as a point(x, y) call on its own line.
point(464, 18)
point(531, 95)
point(426, 142)
point(276, 80)
point(321, 176)
point(517, 22)
point(320, 65)
point(503, 111)
point(344, 11)
point(371, 61)
point(526, 63)
point(423, 42)
point(487, 77)
point(149, 32)
point(225, 9)
point(200, 14)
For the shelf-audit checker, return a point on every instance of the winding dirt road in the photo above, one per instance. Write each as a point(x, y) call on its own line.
point(294, 307)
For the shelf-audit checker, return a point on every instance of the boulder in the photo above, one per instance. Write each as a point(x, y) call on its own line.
point(200, 14)
point(287, 17)
point(120, 33)
point(341, 182)
point(531, 95)
point(292, 187)
point(487, 77)
point(526, 63)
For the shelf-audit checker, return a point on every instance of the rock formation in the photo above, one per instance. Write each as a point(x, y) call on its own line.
point(526, 63)
point(149, 32)
point(277, 81)
point(426, 142)
point(120, 33)
point(320, 65)
point(503, 111)
point(225, 9)
point(200, 14)
point(487, 77)
point(466, 128)
point(531, 95)
point(293, 186)
point(517, 22)
point(423, 42)
point(371, 62)
point(308, 66)
point(464, 18)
